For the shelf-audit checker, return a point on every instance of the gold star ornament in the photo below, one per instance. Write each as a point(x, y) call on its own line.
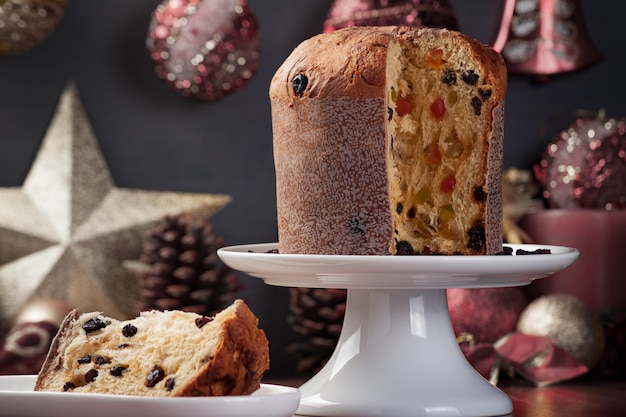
point(67, 231)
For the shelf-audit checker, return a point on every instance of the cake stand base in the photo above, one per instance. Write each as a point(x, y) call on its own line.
point(398, 356)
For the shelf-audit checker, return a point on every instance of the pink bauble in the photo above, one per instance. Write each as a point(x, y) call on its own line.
point(584, 166)
point(485, 313)
point(204, 49)
point(414, 13)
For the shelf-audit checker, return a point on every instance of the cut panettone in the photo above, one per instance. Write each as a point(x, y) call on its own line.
point(159, 353)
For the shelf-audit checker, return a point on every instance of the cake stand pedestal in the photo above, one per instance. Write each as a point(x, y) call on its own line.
point(397, 355)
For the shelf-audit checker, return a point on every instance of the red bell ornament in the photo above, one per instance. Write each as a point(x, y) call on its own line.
point(545, 37)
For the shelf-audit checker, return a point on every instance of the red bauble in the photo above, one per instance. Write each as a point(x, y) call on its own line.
point(204, 48)
point(414, 13)
point(485, 313)
point(584, 166)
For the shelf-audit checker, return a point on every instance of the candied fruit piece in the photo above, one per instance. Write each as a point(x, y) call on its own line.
point(393, 94)
point(452, 98)
point(423, 195)
point(299, 83)
point(448, 184)
point(452, 146)
point(435, 58)
point(446, 212)
point(403, 106)
point(433, 154)
point(438, 108)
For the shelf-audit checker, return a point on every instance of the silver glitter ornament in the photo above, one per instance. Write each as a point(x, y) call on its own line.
point(66, 232)
point(569, 322)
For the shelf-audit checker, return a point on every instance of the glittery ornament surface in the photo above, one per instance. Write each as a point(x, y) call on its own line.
point(584, 166)
point(414, 13)
point(67, 230)
point(26, 23)
point(569, 322)
point(204, 48)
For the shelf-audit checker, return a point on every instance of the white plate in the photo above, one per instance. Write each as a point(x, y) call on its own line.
point(17, 399)
point(396, 272)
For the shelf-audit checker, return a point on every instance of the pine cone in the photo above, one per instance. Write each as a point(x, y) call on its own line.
point(183, 271)
point(316, 315)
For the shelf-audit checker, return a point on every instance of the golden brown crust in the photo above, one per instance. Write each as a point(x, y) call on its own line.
point(334, 70)
point(53, 361)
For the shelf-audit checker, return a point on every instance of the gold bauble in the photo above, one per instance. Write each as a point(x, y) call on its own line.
point(569, 322)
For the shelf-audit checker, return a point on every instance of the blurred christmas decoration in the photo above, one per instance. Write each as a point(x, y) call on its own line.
point(537, 358)
point(544, 37)
point(569, 322)
point(317, 316)
point(179, 268)
point(472, 311)
point(204, 49)
point(584, 165)
point(68, 229)
point(25, 346)
point(520, 196)
point(26, 23)
point(414, 13)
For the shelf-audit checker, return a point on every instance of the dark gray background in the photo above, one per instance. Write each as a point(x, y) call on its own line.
point(153, 138)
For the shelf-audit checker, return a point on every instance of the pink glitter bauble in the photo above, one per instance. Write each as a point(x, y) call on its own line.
point(485, 313)
point(414, 13)
point(204, 48)
point(584, 166)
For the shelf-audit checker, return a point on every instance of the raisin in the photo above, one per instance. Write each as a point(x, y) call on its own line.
point(129, 330)
point(201, 321)
point(169, 383)
point(117, 370)
point(91, 375)
point(479, 193)
point(404, 248)
point(449, 77)
point(470, 77)
point(68, 386)
point(506, 250)
point(399, 208)
point(85, 359)
point(484, 94)
point(122, 345)
point(477, 238)
point(389, 113)
point(93, 325)
point(299, 84)
point(101, 360)
point(155, 376)
point(477, 105)
point(533, 252)
point(411, 213)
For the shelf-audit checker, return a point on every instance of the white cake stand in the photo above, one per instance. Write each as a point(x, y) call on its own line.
point(397, 354)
